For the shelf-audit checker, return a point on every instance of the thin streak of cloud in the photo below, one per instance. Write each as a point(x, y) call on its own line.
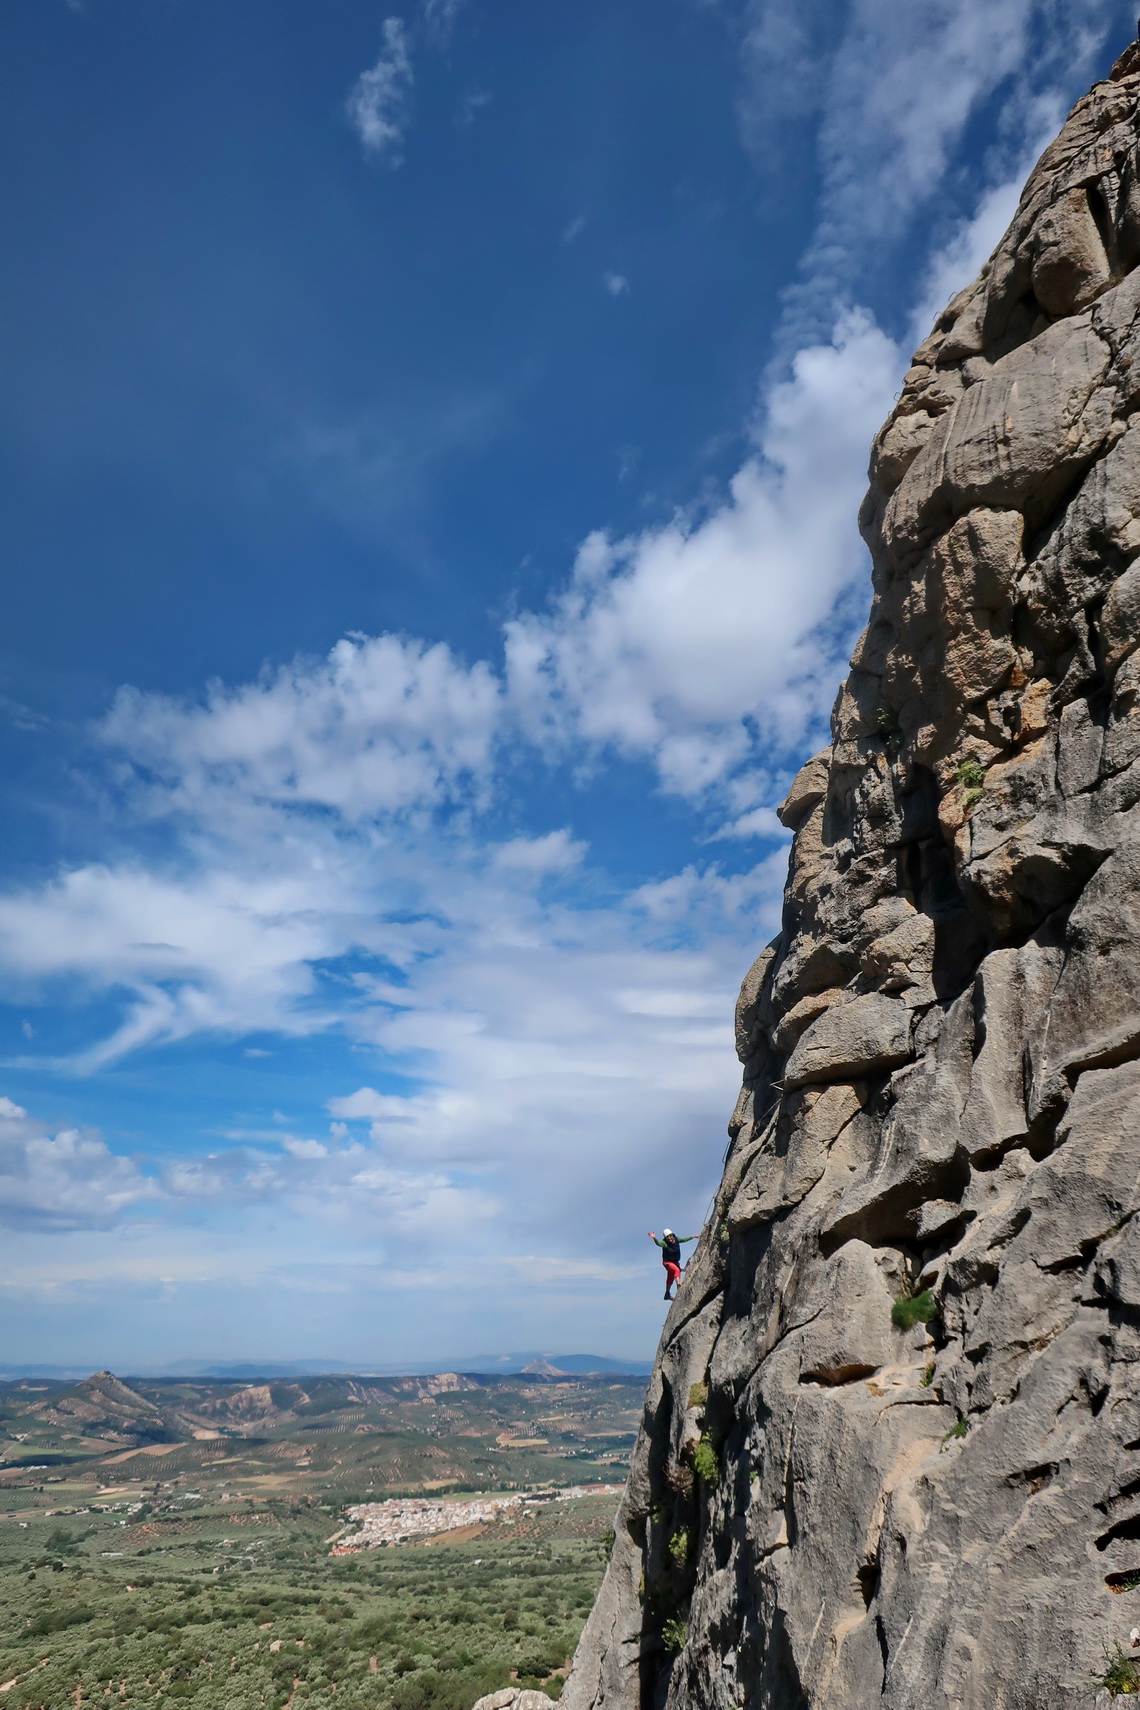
point(439, 19)
point(471, 106)
point(378, 105)
point(893, 92)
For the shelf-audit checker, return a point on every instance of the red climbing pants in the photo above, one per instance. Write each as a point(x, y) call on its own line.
point(672, 1271)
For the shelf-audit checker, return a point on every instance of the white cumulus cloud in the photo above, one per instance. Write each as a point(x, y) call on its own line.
point(381, 726)
point(66, 1180)
point(681, 643)
point(557, 852)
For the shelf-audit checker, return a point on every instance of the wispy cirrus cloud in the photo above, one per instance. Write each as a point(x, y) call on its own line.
point(379, 103)
point(472, 105)
point(375, 470)
point(218, 946)
point(888, 94)
point(439, 19)
point(977, 234)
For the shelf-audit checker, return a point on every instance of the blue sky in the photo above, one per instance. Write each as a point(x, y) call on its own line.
point(432, 438)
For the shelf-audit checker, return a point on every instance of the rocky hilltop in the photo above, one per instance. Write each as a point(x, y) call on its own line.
point(891, 1446)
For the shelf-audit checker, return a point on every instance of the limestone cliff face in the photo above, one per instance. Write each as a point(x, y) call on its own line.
point(833, 1502)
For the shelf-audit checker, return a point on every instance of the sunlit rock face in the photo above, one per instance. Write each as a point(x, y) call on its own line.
point(891, 1450)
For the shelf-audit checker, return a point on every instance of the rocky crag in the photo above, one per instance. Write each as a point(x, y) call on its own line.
point(891, 1447)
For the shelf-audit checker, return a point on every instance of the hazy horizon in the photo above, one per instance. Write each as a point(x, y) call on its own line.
point(481, 1365)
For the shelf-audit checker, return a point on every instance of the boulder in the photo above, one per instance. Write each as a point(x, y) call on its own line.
point(865, 1036)
point(809, 786)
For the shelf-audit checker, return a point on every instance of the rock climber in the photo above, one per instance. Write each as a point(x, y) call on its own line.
point(670, 1246)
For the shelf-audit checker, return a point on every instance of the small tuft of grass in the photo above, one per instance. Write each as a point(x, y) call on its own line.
point(961, 1429)
point(1122, 1673)
point(706, 1461)
point(927, 1377)
point(681, 1545)
point(698, 1394)
point(971, 780)
point(673, 1635)
point(911, 1309)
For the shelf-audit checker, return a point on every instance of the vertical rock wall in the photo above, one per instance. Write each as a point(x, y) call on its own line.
point(891, 1450)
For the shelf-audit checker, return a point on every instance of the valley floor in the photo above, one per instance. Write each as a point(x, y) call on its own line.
point(238, 1606)
point(196, 1542)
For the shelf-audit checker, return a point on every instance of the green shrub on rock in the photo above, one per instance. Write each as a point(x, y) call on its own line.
point(971, 777)
point(1122, 1673)
point(706, 1461)
point(673, 1635)
point(911, 1309)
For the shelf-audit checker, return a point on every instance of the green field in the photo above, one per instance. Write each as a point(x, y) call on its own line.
point(199, 1569)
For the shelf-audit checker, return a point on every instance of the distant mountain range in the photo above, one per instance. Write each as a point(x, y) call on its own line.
point(470, 1428)
point(505, 1365)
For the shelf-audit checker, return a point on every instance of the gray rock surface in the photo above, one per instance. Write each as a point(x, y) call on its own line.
point(513, 1698)
point(834, 1500)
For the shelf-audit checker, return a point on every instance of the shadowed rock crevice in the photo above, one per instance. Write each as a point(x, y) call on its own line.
point(888, 1455)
